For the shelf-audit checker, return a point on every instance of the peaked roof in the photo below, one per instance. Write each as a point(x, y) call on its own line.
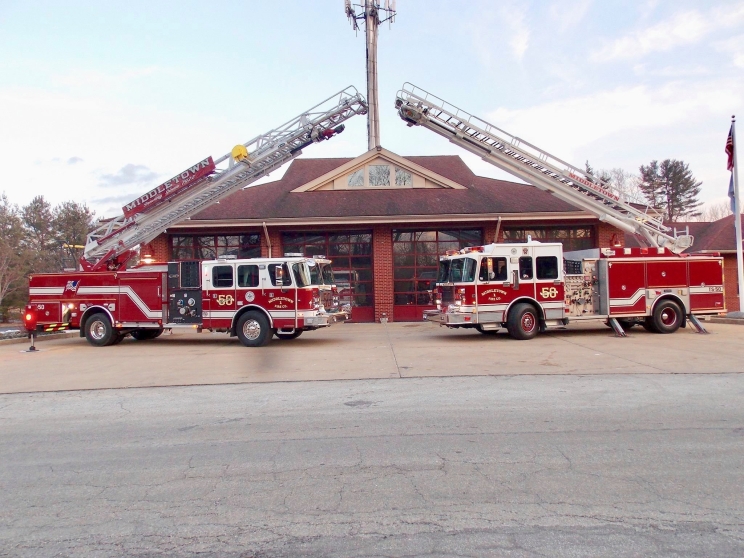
point(480, 195)
point(376, 155)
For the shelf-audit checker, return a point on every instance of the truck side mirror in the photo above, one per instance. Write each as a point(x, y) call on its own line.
point(279, 276)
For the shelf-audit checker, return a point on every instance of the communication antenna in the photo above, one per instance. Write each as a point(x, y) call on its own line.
point(373, 13)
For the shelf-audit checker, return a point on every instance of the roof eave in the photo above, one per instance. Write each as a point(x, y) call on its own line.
point(382, 219)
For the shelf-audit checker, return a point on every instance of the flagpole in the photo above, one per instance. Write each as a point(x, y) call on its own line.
point(737, 220)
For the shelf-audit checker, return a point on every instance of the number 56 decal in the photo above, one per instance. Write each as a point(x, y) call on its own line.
point(549, 292)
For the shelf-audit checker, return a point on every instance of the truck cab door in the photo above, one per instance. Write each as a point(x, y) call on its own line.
point(281, 301)
point(549, 287)
point(218, 294)
point(522, 274)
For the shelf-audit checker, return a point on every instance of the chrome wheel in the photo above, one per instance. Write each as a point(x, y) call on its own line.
point(251, 330)
point(97, 330)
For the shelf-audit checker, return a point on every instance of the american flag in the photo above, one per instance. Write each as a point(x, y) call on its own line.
point(730, 148)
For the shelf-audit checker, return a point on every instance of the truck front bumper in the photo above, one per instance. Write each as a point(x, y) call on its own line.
point(450, 319)
point(326, 319)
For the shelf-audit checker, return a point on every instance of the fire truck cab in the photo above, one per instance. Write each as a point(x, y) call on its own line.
point(252, 299)
point(518, 286)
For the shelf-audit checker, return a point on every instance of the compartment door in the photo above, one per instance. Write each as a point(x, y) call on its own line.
point(626, 287)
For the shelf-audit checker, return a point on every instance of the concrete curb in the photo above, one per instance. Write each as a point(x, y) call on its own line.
point(39, 338)
point(735, 321)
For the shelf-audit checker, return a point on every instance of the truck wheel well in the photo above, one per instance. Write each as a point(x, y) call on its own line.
point(245, 309)
point(673, 298)
point(89, 312)
point(526, 300)
point(677, 301)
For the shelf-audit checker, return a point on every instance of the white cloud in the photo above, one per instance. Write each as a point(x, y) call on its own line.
point(627, 126)
point(567, 14)
point(683, 28)
point(571, 123)
point(733, 46)
point(520, 38)
point(507, 20)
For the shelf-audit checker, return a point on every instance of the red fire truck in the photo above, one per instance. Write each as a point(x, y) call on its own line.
point(247, 298)
point(528, 287)
point(252, 299)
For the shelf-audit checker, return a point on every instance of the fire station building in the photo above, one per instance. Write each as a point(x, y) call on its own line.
point(383, 220)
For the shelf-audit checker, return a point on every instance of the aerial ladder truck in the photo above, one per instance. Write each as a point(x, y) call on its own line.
point(252, 299)
point(523, 288)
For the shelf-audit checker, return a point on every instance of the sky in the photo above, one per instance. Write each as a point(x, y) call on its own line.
point(102, 101)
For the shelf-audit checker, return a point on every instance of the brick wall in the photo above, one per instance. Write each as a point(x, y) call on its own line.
point(160, 248)
point(275, 236)
point(382, 261)
point(730, 280)
point(605, 234)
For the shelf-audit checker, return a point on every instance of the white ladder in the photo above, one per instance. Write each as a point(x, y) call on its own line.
point(110, 243)
point(535, 166)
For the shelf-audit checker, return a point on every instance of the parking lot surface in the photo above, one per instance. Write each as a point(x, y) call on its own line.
point(364, 351)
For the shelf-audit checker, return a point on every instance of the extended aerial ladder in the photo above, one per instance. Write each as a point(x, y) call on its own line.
point(535, 166)
point(112, 244)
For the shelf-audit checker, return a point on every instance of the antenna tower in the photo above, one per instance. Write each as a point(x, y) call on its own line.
point(372, 13)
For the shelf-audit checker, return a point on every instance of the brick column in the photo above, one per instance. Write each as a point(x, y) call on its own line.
point(276, 244)
point(605, 233)
point(160, 248)
point(382, 260)
point(730, 280)
point(489, 232)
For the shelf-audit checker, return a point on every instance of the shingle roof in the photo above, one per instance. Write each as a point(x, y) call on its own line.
point(709, 236)
point(481, 195)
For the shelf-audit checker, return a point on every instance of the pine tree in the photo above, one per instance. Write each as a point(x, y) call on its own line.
point(71, 222)
point(671, 188)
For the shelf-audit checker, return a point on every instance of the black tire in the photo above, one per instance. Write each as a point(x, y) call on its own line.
point(253, 329)
point(99, 332)
point(667, 317)
point(648, 325)
point(523, 322)
point(288, 336)
point(486, 331)
point(626, 324)
point(146, 334)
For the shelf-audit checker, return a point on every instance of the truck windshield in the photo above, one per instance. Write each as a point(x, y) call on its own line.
point(316, 275)
point(462, 270)
point(328, 278)
point(301, 274)
point(321, 273)
point(444, 266)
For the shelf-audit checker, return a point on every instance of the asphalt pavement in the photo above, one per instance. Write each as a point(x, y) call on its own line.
point(376, 440)
point(364, 351)
point(637, 465)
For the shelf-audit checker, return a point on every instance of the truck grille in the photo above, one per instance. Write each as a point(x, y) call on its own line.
point(326, 299)
point(448, 295)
